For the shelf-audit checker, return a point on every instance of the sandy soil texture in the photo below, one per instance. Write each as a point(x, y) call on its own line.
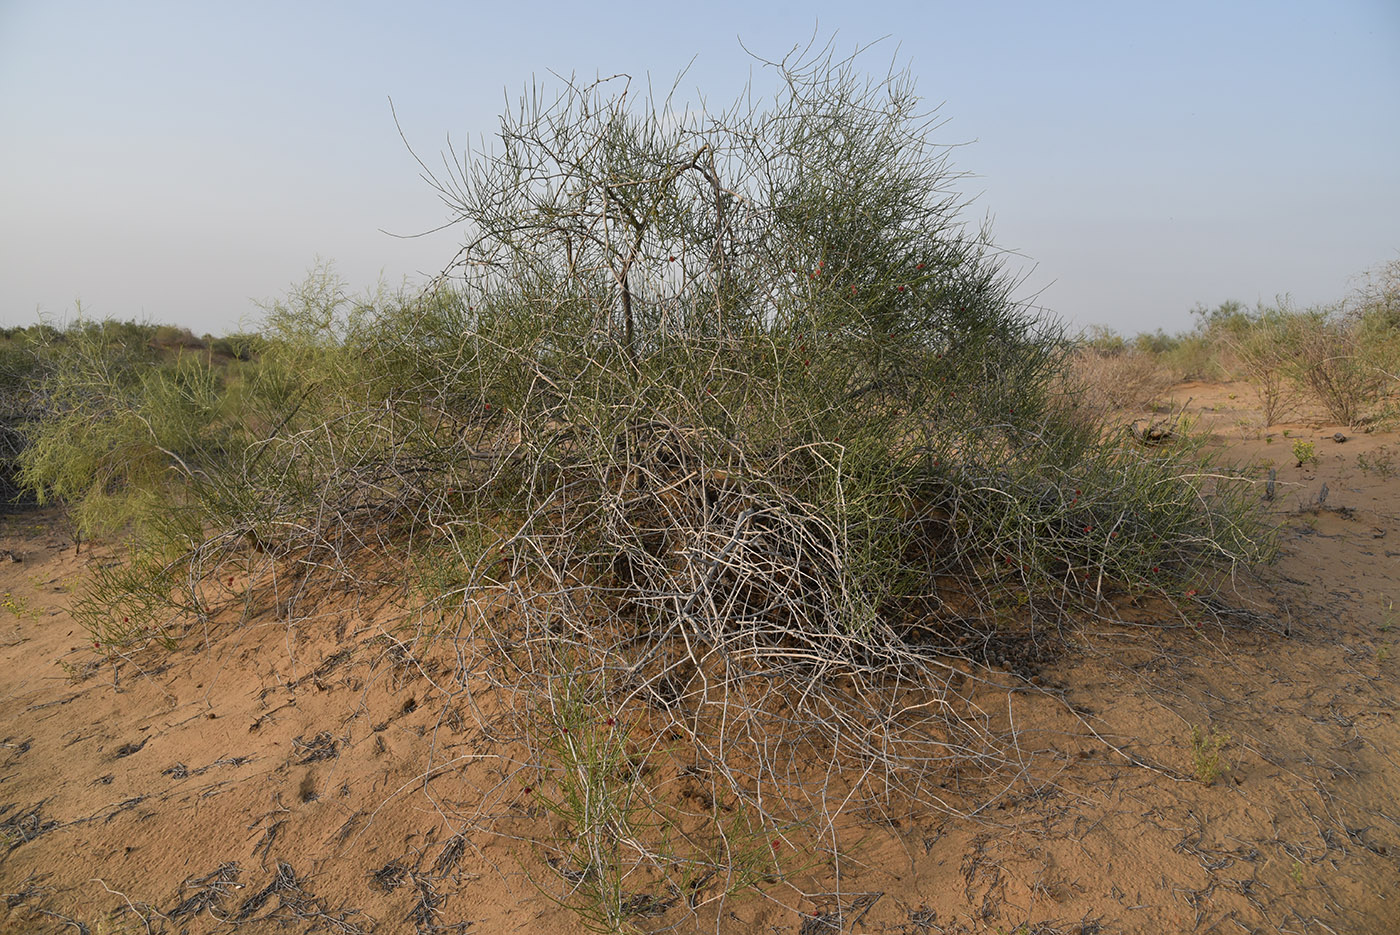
point(270, 778)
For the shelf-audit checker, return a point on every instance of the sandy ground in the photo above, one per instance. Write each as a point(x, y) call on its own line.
point(271, 778)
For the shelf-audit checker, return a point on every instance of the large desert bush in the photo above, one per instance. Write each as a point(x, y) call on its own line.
point(725, 426)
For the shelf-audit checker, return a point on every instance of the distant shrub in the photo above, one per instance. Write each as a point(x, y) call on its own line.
point(1108, 382)
point(1266, 354)
point(1230, 318)
point(245, 345)
point(1195, 357)
point(1330, 361)
point(1375, 315)
point(1156, 342)
point(1103, 340)
point(171, 336)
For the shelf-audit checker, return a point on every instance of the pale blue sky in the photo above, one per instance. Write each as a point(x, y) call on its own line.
point(177, 161)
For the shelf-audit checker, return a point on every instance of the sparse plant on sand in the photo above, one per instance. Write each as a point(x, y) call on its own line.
point(1205, 754)
point(620, 851)
point(1380, 462)
point(1304, 452)
point(15, 604)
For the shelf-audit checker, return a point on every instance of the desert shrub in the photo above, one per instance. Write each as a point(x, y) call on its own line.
point(1332, 365)
point(1155, 342)
point(1266, 353)
point(1375, 316)
point(728, 422)
point(115, 422)
point(243, 346)
point(1113, 382)
point(1206, 351)
point(1230, 318)
point(173, 336)
point(1195, 356)
point(1103, 340)
point(21, 374)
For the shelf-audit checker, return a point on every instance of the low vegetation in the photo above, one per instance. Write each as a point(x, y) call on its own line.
point(1342, 358)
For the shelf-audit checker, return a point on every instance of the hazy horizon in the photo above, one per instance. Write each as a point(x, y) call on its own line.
point(179, 163)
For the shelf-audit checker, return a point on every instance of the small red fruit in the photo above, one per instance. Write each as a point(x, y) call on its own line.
point(672, 259)
point(900, 288)
point(919, 266)
point(611, 721)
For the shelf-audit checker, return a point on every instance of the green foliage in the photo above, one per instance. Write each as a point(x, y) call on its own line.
point(116, 423)
point(167, 447)
point(1266, 352)
point(1206, 747)
point(1304, 452)
point(1228, 318)
point(1380, 462)
point(784, 298)
point(1103, 340)
point(1157, 342)
point(171, 336)
point(1330, 361)
point(14, 604)
point(620, 848)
